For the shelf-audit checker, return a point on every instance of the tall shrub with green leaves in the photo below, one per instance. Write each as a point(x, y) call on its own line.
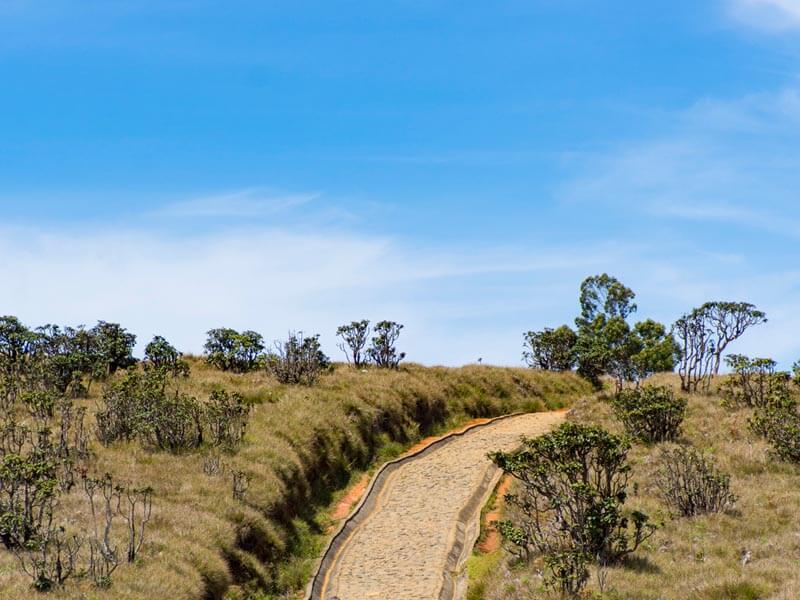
point(229, 350)
point(574, 483)
point(652, 413)
point(753, 381)
point(160, 354)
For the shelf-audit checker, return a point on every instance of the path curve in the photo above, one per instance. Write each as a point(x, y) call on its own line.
point(410, 536)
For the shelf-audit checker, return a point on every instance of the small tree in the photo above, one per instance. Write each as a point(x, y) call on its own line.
point(650, 413)
point(704, 333)
point(354, 340)
point(229, 350)
point(604, 343)
point(657, 350)
point(383, 351)
point(298, 360)
point(550, 349)
point(17, 345)
point(114, 347)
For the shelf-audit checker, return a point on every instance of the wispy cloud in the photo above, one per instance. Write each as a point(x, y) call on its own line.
point(248, 203)
point(720, 161)
point(273, 280)
point(771, 15)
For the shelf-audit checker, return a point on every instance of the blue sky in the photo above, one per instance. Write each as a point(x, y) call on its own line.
point(459, 167)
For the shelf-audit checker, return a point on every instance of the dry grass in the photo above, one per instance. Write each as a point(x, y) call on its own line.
point(302, 447)
point(698, 558)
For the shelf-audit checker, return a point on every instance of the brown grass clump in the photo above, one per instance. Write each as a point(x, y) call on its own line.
point(747, 553)
point(303, 444)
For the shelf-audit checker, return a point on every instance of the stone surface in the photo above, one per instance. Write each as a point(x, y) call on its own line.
point(399, 551)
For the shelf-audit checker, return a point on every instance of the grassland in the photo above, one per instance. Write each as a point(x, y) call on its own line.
point(303, 446)
point(699, 558)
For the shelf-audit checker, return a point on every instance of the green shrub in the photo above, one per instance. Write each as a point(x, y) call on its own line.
point(226, 415)
point(780, 425)
point(160, 354)
point(691, 484)
point(140, 406)
point(229, 350)
point(298, 360)
point(567, 572)
point(650, 413)
point(574, 483)
point(753, 381)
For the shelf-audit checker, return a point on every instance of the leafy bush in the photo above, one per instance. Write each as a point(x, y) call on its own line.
point(567, 571)
point(170, 421)
point(227, 416)
point(753, 381)
point(229, 350)
point(160, 354)
point(691, 484)
point(298, 360)
point(651, 413)
point(383, 351)
point(119, 419)
point(779, 423)
point(551, 349)
point(354, 340)
point(28, 489)
point(66, 357)
point(574, 483)
point(140, 406)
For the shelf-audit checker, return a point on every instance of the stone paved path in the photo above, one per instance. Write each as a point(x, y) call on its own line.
point(399, 551)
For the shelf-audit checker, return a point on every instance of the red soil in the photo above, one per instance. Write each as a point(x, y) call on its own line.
point(491, 541)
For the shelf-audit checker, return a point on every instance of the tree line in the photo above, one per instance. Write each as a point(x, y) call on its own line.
point(604, 342)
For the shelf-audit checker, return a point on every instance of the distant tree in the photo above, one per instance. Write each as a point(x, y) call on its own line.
point(114, 347)
point(604, 295)
point(160, 354)
point(551, 349)
point(354, 340)
point(221, 346)
point(658, 351)
point(729, 321)
point(251, 349)
point(604, 344)
point(704, 333)
point(383, 351)
point(229, 350)
point(17, 345)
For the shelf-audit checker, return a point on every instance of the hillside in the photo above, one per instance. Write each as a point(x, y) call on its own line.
point(751, 551)
point(302, 445)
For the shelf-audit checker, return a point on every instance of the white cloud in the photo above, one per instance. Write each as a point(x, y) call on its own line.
point(237, 204)
point(771, 15)
point(275, 280)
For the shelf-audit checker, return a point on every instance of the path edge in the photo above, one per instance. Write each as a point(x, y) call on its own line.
point(327, 559)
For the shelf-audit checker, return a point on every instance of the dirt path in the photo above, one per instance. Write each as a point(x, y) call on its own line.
point(412, 533)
